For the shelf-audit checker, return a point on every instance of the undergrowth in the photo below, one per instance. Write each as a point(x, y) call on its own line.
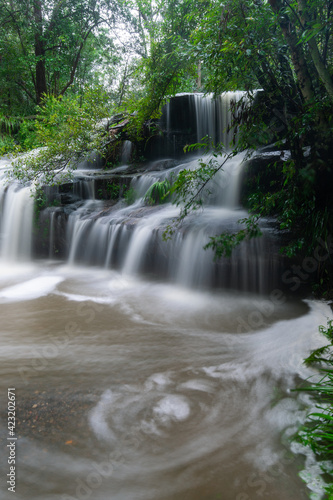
point(158, 193)
point(317, 431)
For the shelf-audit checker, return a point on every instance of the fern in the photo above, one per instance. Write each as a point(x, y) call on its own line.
point(158, 193)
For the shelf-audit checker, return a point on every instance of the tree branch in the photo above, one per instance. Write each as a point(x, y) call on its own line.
point(21, 84)
point(77, 59)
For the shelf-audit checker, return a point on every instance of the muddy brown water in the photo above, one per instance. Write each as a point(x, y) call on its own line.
point(127, 389)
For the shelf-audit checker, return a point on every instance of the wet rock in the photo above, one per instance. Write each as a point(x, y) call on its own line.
point(68, 198)
point(263, 172)
point(161, 165)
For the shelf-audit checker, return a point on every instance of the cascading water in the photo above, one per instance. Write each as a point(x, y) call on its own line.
point(85, 189)
point(16, 220)
point(17, 224)
point(130, 388)
point(131, 238)
point(188, 118)
point(214, 116)
point(126, 152)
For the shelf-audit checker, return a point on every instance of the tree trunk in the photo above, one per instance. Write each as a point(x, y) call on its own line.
point(77, 58)
point(40, 83)
point(322, 70)
point(296, 51)
point(199, 84)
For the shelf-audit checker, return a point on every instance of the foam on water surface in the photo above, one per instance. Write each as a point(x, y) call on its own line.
point(172, 407)
point(31, 289)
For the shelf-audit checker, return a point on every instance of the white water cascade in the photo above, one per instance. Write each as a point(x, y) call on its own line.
point(130, 238)
point(188, 118)
point(16, 219)
point(214, 116)
point(126, 152)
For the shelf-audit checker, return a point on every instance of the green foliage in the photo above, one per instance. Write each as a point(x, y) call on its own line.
point(7, 144)
point(110, 191)
point(53, 48)
point(317, 355)
point(317, 431)
point(224, 244)
point(68, 129)
point(232, 42)
point(8, 127)
point(299, 207)
point(158, 193)
point(192, 188)
point(130, 196)
point(8, 124)
point(169, 65)
point(40, 202)
point(27, 136)
point(113, 190)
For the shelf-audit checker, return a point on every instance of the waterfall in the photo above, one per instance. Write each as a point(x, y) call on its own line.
point(17, 224)
point(188, 118)
point(85, 188)
point(214, 116)
point(78, 227)
point(126, 152)
point(51, 245)
point(131, 238)
point(16, 219)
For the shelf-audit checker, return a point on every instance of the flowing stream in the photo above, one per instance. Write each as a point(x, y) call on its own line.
point(144, 371)
point(129, 389)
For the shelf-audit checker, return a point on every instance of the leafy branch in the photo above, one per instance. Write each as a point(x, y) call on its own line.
point(191, 189)
point(67, 131)
point(317, 431)
point(224, 244)
point(191, 186)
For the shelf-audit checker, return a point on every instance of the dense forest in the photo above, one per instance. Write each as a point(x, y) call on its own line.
point(65, 65)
